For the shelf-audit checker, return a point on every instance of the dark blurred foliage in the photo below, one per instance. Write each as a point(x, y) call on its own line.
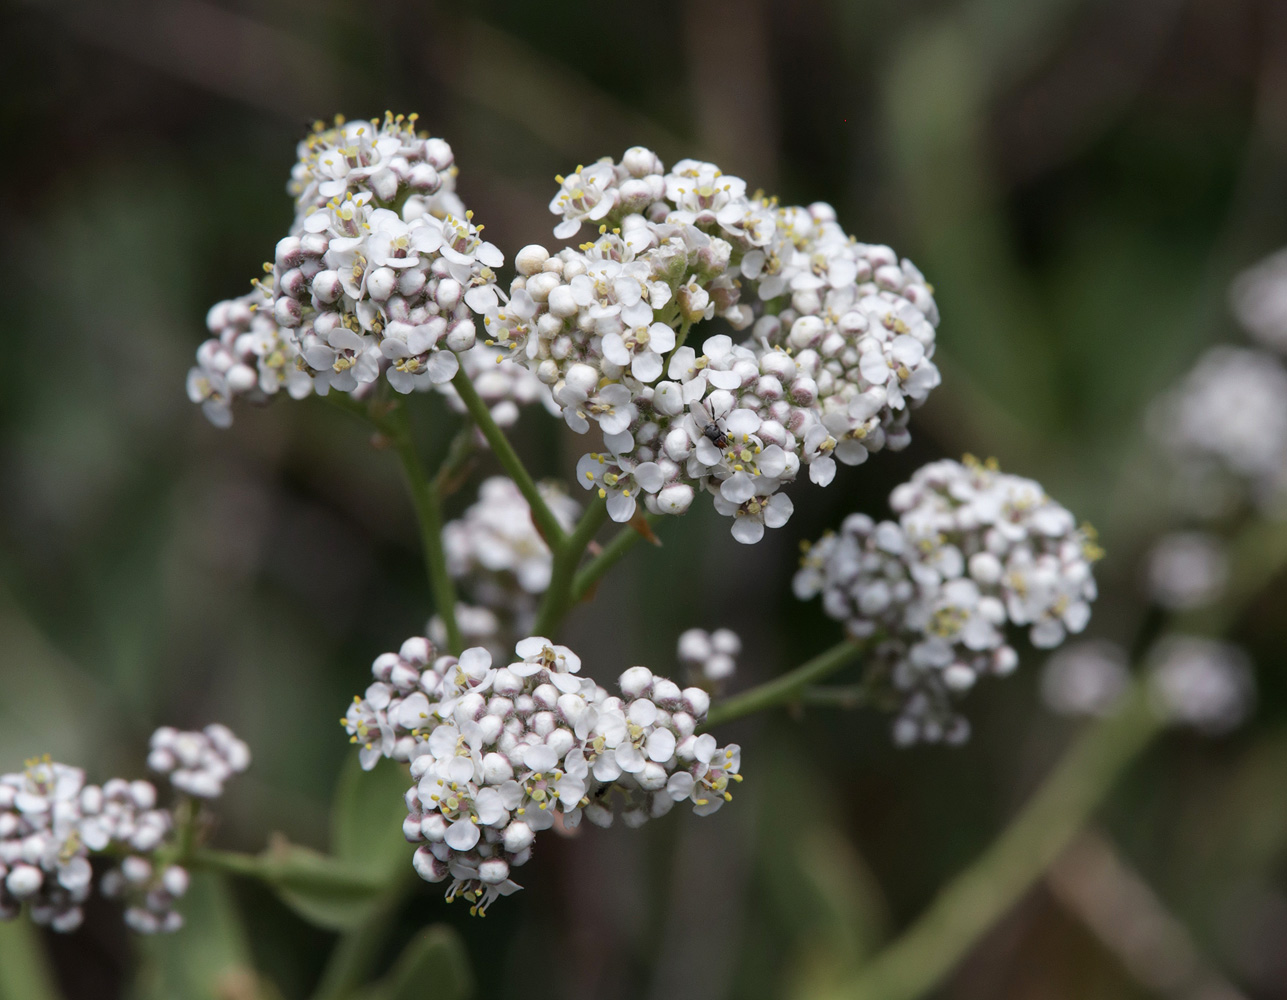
point(1079, 179)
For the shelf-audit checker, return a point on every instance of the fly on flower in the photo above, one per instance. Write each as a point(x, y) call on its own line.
point(711, 429)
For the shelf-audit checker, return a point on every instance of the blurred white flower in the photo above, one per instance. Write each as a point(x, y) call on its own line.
point(198, 763)
point(1085, 678)
point(1187, 569)
point(51, 822)
point(1228, 418)
point(1259, 299)
point(709, 657)
point(1204, 683)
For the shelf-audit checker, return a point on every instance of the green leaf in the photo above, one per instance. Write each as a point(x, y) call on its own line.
point(325, 891)
point(434, 963)
point(367, 815)
point(24, 967)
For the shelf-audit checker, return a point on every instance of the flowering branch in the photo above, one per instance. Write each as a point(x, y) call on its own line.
point(508, 458)
point(978, 897)
point(787, 687)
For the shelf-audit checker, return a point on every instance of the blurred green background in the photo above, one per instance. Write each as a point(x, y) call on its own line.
point(1078, 178)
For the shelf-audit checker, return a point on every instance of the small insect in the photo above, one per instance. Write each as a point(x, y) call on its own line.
point(710, 429)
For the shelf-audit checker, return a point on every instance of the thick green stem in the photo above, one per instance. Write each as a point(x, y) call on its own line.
point(25, 970)
point(509, 460)
point(622, 542)
point(970, 904)
point(559, 595)
point(424, 496)
point(787, 687)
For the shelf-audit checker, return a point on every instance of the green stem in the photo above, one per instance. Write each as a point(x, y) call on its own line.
point(357, 408)
point(846, 696)
point(787, 687)
point(425, 498)
point(509, 460)
point(622, 542)
point(228, 862)
point(459, 453)
point(975, 900)
point(558, 596)
point(680, 337)
point(355, 953)
point(25, 970)
point(297, 867)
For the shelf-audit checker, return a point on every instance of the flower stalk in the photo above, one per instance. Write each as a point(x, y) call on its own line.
point(509, 460)
point(428, 504)
point(922, 957)
point(788, 687)
point(560, 596)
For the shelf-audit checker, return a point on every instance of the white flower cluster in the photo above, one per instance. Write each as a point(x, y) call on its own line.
point(973, 550)
point(840, 339)
point(198, 763)
point(710, 658)
point(382, 273)
point(499, 754)
point(1204, 683)
point(1227, 420)
point(51, 822)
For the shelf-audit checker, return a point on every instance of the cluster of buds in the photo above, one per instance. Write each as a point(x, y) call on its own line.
point(973, 551)
point(382, 273)
point(499, 754)
point(52, 823)
point(839, 345)
point(198, 763)
point(709, 658)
